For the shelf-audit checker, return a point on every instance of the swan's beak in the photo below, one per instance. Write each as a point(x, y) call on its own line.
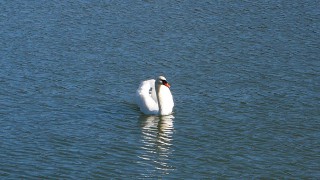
point(167, 84)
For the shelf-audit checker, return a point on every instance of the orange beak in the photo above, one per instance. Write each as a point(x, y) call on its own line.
point(167, 84)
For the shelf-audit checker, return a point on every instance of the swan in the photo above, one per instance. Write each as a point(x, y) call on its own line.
point(154, 97)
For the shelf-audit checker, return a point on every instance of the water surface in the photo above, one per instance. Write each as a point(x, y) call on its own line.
point(245, 79)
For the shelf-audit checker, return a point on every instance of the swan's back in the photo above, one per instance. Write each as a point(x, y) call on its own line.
point(146, 97)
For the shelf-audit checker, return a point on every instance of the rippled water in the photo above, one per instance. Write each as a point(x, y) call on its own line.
point(245, 78)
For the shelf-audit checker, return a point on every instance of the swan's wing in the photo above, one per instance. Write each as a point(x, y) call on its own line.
point(146, 97)
point(152, 91)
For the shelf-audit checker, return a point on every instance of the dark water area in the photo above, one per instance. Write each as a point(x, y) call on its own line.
point(245, 79)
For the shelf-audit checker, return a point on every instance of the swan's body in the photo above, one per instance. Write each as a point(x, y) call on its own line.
point(154, 97)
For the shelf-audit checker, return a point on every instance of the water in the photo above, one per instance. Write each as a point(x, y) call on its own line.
point(245, 78)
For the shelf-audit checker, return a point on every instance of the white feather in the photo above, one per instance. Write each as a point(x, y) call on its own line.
point(147, 97)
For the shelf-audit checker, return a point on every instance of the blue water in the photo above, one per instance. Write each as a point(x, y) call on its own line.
point(245, 78)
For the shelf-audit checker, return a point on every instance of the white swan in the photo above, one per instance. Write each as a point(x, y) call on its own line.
point(154, 97)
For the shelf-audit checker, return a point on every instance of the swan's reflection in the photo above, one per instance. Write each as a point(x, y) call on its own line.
point(157, 139)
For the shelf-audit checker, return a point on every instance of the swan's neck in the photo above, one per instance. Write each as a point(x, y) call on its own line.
point(159, 97)
point(165, 101)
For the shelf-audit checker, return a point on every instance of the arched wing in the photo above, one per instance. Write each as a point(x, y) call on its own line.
point(146, 97)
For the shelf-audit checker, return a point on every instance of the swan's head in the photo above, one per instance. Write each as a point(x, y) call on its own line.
point(163, 81)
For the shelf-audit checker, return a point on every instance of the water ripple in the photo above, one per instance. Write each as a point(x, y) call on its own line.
point(245, 81)
point(156, 141)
